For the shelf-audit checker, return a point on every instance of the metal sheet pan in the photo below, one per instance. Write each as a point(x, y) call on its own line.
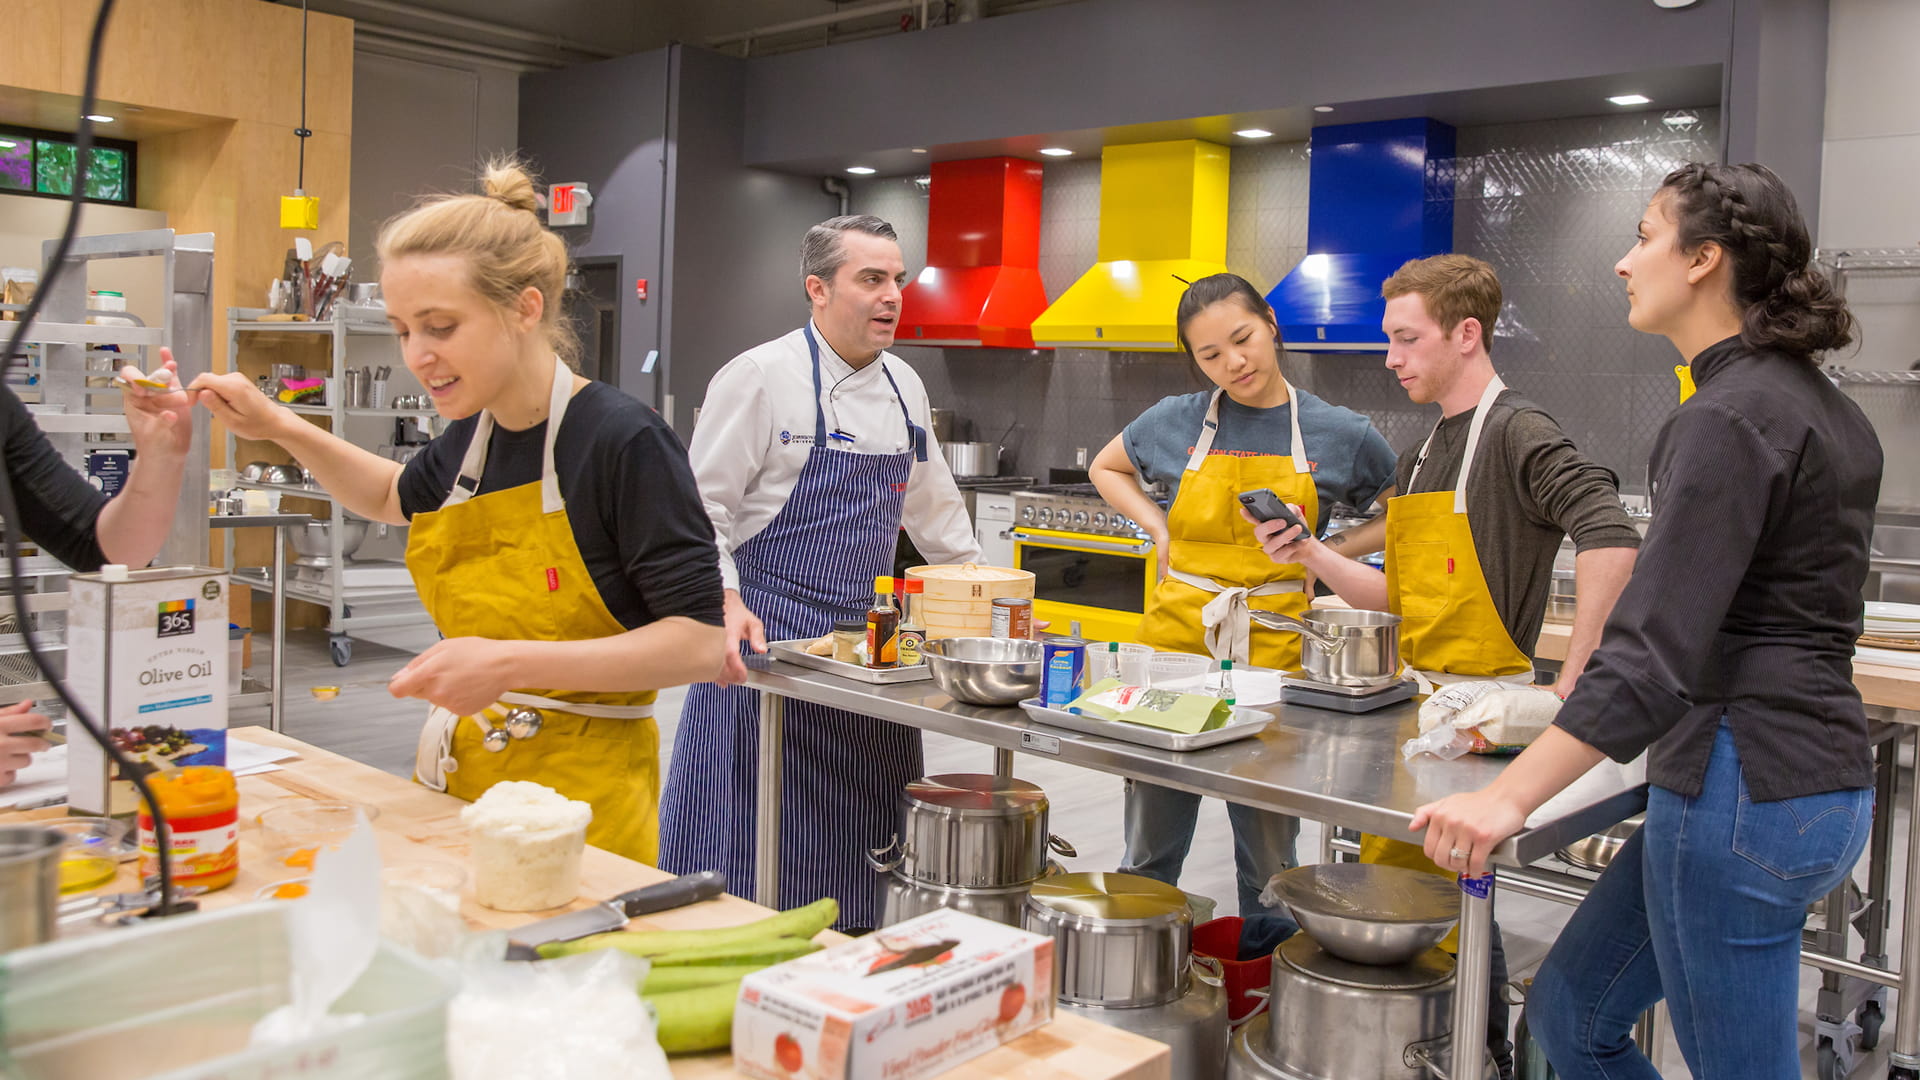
point(795, 652)
point(1244, 724)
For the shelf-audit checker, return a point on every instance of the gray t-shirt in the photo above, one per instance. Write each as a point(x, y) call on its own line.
point(1530, 487)
point(1351, 461)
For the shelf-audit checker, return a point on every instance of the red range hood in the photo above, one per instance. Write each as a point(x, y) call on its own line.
point(981, 286)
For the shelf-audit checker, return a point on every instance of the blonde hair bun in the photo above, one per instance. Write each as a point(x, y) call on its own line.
point(507, 251)
point(507, 180)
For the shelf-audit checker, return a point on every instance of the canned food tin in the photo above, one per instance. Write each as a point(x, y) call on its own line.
point(1012, 617)
point(1066, 664)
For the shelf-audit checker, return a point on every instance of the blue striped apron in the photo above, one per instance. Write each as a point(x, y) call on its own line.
point(814, 563)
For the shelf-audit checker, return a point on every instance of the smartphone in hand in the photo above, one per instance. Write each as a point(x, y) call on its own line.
point(1264, 505)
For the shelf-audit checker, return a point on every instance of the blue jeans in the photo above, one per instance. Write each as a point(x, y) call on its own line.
point(1160, 830)
point(1702, 907)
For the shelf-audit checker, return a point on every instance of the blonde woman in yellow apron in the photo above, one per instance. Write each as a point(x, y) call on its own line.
point(1253, 430)
point(558, 540)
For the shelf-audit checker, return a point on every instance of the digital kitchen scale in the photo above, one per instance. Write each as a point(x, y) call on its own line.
point(1347, 699)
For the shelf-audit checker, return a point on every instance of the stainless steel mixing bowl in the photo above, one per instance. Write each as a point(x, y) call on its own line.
point(986, 671)
point(1370, 914)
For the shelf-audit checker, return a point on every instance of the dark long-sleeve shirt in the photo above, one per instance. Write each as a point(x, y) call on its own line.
point(1529, 487)
point(1746, 598)
point(58, 509)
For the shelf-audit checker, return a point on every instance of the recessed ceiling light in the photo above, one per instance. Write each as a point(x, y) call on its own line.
point(1254, 133)
point(1680, 119)
point(919, 149)
point(860, 170)
point(100, 118)
point(1056, 151)
point(1631, 99)
point(1323, 108)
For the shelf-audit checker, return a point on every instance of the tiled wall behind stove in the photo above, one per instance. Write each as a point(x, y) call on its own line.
point(1551, 204)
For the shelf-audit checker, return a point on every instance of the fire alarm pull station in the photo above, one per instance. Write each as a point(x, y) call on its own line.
point(567, 204)
point(640, 288)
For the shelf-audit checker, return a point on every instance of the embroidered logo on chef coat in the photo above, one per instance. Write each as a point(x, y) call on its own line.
point(788, 438)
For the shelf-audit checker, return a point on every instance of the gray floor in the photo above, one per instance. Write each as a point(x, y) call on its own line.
point(368, 725)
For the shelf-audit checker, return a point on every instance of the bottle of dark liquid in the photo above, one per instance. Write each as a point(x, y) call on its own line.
point(883, 627)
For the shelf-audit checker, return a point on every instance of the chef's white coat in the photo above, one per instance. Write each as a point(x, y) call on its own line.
point(748, 446)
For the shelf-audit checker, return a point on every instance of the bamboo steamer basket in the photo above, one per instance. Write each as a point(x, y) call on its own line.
point(958, 598)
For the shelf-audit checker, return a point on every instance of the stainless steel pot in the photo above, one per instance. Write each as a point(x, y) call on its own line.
point(29, 884)
point(972, 458)
point(942, 425)
point(1249, 1059)
point(971, 830)
point(1315, 999)
point(1343, 646)
point(907, 897)
point(1194, 1025)
point(1119, 940)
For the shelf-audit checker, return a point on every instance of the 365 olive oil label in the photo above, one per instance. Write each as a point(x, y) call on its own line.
point(147, 659)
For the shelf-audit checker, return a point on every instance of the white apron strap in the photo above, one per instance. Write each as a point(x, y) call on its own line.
point(1473, 441)
point(1211, 426)
point(474, 465)
point(579, 708)
point(1226, 618)
point(1429, 681)
point(433, 757)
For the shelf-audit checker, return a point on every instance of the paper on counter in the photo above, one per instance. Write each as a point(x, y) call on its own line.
point(44, 781)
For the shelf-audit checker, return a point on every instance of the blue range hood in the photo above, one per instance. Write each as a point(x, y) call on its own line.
point(1379, 194)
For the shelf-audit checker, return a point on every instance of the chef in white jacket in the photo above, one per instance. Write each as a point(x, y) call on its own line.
point(812, 452)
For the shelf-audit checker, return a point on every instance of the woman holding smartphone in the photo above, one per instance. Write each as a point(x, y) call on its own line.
point(1252, 431)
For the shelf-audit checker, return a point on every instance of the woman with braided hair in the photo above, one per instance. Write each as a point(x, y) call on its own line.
point(1728, 655)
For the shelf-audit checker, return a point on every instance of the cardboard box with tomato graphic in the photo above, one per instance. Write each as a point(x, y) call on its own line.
point(910, 1001)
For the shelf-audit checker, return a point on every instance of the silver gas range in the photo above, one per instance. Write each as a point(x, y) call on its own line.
point(1071, 508)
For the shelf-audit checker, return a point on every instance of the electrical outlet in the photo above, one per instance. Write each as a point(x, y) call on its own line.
point(1079, 457)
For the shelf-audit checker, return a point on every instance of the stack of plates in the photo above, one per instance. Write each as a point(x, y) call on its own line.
point(1893, 623)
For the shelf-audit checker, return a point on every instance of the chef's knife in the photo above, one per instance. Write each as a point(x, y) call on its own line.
point(613, 914)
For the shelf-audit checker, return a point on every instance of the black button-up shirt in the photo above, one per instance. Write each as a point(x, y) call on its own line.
point(1746, 598)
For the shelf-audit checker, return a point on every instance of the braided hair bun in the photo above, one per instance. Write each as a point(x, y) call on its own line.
point(1785, 303)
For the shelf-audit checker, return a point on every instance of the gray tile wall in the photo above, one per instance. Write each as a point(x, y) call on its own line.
point(1552, 205)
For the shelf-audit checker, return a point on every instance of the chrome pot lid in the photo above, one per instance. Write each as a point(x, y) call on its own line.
point(1303, 955)
point(974, 794)
point(1368, 893)
point(1109, 898)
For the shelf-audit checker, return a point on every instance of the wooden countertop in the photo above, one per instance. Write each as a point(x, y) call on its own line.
point(418, 825)
point(1880, 684)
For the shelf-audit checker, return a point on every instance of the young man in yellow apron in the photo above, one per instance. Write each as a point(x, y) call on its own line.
point(1470, 545)
point(1213, 572)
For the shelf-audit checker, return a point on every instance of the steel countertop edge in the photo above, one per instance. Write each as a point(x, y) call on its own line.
point(1312, 763)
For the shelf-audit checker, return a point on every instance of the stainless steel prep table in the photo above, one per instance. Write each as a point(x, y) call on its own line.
point(1345, 771)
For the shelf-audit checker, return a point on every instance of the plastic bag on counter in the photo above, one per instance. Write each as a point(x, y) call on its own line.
point(1169, 710)
point(1482, 717)
point(574, 1018)
point(334, 934)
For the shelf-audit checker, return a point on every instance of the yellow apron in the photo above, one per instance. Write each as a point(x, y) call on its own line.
point(504, 565)
point(1217, 569)
point(1449, 626)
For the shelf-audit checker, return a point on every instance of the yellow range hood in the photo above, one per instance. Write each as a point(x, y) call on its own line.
point(1163, 218)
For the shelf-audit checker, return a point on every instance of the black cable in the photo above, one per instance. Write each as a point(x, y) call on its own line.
point(9, 516)
point(300, 182)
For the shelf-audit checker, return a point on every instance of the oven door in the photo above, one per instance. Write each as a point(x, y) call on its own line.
point(1101, 582)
